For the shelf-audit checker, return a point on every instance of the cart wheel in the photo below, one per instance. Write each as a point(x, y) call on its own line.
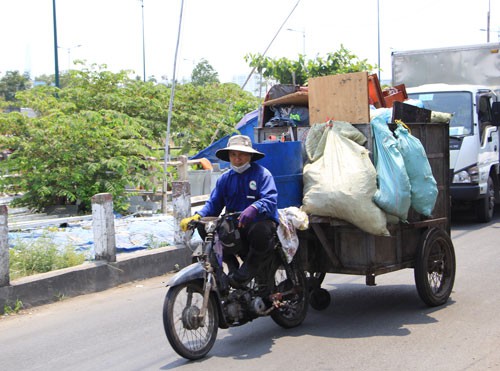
point(319, 299)
point(314, 280)
point(435, 267)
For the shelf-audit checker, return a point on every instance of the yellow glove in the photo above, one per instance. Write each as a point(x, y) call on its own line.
point(185, 221)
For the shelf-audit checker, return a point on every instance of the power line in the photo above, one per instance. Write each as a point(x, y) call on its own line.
point(276, 35)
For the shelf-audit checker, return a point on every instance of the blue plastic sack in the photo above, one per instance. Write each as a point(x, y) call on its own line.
point(394, 193)
point(424, 189)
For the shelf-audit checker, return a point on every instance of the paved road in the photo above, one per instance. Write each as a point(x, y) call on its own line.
point(385, 327)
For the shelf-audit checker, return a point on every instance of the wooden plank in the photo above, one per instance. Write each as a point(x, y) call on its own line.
point(327, 246)
point(339, 97)
point(299, 98)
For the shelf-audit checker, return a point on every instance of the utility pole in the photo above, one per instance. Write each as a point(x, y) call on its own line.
point(56, 56)
point(488, 22)
point(143, 45)
point(378, 38)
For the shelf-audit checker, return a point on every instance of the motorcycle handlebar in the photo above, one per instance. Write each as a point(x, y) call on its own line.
point(203, 220)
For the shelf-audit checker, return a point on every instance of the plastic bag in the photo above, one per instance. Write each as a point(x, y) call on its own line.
point(424, 189)
point(316, 138)
point(393, 194)
point(341, 184)
point(291, 218)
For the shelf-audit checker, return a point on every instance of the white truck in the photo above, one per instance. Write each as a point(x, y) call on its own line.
point(463, 81)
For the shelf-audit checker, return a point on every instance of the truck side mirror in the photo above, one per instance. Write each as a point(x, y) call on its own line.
point(495, 111)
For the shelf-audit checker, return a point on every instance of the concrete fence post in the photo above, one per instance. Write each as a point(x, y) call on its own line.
point(181, 205)
point(103, 225)
point(182, 168)
point(4, 247)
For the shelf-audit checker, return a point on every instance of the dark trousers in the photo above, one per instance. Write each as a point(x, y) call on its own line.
point(257, 241)
point(257, 238)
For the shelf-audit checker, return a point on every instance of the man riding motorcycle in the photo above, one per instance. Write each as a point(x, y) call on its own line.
point(250, 188)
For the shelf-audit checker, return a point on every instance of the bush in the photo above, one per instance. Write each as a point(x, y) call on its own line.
point(40, 256)
point(104, 133)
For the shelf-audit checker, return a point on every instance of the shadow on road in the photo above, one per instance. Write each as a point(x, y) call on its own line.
point(465, 218)
point(356, 311)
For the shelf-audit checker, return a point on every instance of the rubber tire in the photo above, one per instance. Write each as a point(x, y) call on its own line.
point(319, 299)
point(315, 279)
point(178, 335)
point(294, 313)
point(435, 267)
point(485, 207)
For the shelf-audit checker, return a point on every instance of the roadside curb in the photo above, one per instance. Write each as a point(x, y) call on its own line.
point(91, 277)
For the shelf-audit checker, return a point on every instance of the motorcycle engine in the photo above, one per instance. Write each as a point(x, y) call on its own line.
point(241, 307)
point(258, 306)
point(234, 311)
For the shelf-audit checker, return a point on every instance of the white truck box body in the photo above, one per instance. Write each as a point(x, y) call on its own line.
point(464, 81)
point(472, 64)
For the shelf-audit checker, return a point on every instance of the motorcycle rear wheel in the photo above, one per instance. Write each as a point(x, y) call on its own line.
point(294, 310)
point(190, 337)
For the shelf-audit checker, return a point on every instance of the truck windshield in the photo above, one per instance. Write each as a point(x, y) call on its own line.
point(459, 103)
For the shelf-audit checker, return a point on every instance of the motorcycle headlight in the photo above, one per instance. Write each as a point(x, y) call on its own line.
point(470, 175)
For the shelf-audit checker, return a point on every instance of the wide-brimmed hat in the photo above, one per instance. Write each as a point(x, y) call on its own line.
point(240, 143)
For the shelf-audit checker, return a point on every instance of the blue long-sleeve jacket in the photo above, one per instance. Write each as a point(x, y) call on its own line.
point(236, 192)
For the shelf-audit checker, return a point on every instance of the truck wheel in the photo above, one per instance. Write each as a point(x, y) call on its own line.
point(435, 267)
point(486, 206)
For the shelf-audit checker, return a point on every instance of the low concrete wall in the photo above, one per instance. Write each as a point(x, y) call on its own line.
point(93, 277)
point(109, 268)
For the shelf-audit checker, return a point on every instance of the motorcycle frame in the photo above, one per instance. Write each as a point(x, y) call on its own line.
point(203, 271)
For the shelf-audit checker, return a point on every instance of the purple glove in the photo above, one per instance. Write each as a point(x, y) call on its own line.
point(248, 215)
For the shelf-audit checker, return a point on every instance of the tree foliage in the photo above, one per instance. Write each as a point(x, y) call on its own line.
point(64, 78)
point(286, 71)
point(204, 74)
point(13, 82)
point(100, 132)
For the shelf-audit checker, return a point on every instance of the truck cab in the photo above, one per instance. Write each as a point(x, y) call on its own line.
point(474, 142)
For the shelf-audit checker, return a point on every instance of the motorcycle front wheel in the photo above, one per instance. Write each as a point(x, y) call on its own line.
point(293, 285)
point(189, 335)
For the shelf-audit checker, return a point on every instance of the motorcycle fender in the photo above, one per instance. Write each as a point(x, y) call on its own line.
point(191, 272)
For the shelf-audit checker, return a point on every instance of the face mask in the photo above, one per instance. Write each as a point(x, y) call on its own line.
point(242, 168)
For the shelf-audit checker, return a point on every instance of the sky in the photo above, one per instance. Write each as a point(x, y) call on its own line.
point(110, 32)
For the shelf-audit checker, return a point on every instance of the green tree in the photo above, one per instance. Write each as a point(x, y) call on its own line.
point(204, 74)
point(206, 113)
point(100, 132)
point(64, 78)
point(13, 82)
point(285, 71)
point(45, 79)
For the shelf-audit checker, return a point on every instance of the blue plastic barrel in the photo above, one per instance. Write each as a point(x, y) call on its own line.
point(284, 161)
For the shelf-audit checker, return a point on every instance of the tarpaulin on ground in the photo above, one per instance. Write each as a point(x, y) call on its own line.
point(131, 233)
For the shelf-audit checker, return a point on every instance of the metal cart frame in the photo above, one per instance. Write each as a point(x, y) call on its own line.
point(424, 243)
